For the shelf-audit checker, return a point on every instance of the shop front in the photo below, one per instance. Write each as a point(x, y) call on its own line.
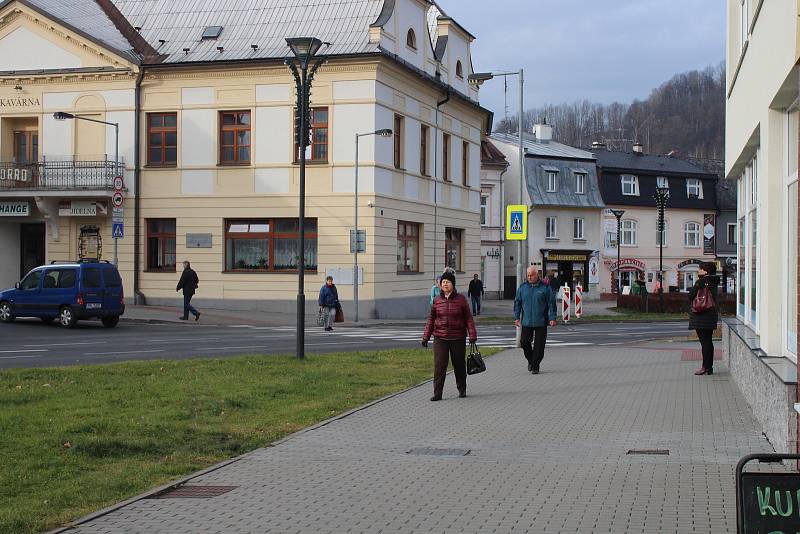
point(22, 239)
point(572, 267)
point(627, 270)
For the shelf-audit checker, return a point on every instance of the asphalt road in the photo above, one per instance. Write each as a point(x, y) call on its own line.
point(30, 343)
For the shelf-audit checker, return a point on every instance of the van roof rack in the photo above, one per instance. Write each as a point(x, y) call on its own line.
point(56, 262)
point(92, 260)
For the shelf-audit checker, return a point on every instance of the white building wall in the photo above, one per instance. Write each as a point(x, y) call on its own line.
point(10, 258)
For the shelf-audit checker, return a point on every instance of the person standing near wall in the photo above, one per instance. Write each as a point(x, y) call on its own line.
point(328, 301)
point(475, 294)
point(704, 323)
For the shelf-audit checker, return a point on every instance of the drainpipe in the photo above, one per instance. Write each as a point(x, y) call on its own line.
point(138, 296)
point(435, 180)
point(501, 268)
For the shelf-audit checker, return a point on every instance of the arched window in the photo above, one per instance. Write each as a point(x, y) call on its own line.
point(411, 39)
point(691, 235)
point(459, 70)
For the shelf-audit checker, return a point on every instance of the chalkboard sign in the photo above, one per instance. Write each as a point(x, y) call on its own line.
point(768, 503)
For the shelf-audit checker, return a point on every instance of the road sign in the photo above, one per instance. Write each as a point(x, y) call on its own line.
point(362, 241)
point(516, 222)
point(117, 215)
point(117, 230)
point(117, 199)
point(119, 183)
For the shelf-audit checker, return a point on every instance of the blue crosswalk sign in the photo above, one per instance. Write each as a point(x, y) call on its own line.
point(117, 230)
point(516, 222)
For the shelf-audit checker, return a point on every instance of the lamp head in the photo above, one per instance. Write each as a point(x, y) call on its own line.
point(476, 79)
point(304, 48)
point(386, 132)
point(618, 213)
point(62, 115)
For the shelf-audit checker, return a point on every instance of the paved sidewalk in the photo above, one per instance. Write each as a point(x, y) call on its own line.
point(547, 454)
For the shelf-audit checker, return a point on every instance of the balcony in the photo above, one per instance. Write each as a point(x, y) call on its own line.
point(57, 174)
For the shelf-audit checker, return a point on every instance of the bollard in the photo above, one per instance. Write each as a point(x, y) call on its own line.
point(578, 301)
point(565, 304)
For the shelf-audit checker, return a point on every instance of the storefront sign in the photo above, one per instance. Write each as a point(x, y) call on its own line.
point(687, 263)
point(14, 209)
point(19, 102)
point(630, 263)
point(77, 208)
point(566, 257)
point(709, 233)
point(13, 174)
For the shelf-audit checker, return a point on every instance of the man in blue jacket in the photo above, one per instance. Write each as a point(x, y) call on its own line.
point(534, 309)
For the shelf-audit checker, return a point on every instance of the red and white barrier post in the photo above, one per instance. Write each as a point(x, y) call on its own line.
point(578, 301)
point(566, 303)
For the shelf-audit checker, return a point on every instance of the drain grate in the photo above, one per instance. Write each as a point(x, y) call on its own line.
point(652, 452)
point(194, 492)
point(430, 451)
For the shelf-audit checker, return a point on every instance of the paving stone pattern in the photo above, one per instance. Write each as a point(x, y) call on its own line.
point(547, 454)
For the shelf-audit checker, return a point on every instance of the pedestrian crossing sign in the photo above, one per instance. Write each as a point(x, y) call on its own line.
point(516, 222)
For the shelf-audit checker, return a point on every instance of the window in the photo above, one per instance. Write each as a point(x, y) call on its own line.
point(268, 245)
point(630, 185)
point(411, 39)
point(694, 188)
point(792, 296)
point(577, 228)
point(398, 141)
point(234, 146)
point(452, 248)
point(446, 157)
point(628, 237)
point(161, 245)
point(551, 228)
point(552, 181)
point(459, 69)
point(465, 163)
point(92, 278)
point(580, 183)
point(732, 233)
point(317, 150)
point(662, 181)
point(408, 247)
point(424, 135)
point(111, 278)
point(31, 281)
point(162, 139)
point(484, 210)
point(741, 282)
point(661, 237)
point(60, 279)
point(691, 235)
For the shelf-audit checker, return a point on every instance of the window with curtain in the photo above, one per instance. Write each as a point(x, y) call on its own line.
point(317, 150)
point(161, 245)
point(234, 135)
point(577, 228)
point(269, 245)
point(453, 251)
point(484, 209)
point(551, 228)
point(691, 235)
point(629, 229)
point(408, 234)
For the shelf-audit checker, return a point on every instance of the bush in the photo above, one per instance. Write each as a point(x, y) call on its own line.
point(673, 303)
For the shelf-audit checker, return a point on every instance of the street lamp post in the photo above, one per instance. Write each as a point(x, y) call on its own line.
point(386, 132)
point(477, 79)
point(304, 50)
point(661, 196)
point(63, 115)
point(618, 214)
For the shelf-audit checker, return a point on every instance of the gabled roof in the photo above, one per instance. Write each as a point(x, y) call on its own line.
point(536, 170)
point(648, 163)
point(87, 19)
point(535, 147)
point(491, 155)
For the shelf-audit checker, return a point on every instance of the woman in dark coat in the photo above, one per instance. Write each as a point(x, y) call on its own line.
point(705, 323)
point(450, 321)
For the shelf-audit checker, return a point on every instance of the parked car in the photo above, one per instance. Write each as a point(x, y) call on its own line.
point(68, 292)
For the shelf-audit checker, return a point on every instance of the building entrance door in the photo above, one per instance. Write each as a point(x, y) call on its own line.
point(32, 247)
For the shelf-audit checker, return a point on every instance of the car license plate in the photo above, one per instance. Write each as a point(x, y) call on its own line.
point(93, 305)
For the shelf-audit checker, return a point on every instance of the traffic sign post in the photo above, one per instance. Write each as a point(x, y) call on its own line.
point(516, 222)
point(117, 231)
point(117, 220)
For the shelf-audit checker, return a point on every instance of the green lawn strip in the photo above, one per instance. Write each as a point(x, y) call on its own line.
point(77, 439)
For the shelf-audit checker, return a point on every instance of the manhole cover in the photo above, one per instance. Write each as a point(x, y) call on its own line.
point(194, 492)
point(664, 452)
point(429, 451)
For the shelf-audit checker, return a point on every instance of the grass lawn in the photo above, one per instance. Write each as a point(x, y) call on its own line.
point(76, 439)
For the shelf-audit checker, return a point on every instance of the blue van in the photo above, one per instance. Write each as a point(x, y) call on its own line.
point(68, 292)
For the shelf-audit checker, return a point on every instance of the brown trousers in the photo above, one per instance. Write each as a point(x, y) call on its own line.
point(454, 350)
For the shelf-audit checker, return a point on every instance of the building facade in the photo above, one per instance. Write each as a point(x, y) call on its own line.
point(493, 169)
point(628, 182)
point(761, 155)
point(205, 107)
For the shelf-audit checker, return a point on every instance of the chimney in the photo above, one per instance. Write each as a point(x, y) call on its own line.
point(638, 148)
point(598, 144)
point(543, 133)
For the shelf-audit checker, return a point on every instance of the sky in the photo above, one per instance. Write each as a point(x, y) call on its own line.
point(600, 50)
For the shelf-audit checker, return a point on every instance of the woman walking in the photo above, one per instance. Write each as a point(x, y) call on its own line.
point(705, 322)
point(328, 302)
point(450, 321)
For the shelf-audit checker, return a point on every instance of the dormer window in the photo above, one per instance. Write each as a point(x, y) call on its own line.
point(212, 33)
point(630, 185)
point(411, 39)
point(662, 182)
point(694, 189)
point(459, 69)
point(580, 183)
point(552, 181)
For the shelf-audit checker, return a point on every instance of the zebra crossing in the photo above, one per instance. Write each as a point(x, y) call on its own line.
point(408, 336)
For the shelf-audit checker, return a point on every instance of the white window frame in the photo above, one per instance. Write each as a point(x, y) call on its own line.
point(694, 186)
point(790, 300)
point(633, 182)
point(580, 183)
point(628, 236)
point(484, 209)
point(748, 216)
point(691, 231)
point(662, 181)
point(664, 234)
point(552, 181)
point(551, 227)
point(578, 225)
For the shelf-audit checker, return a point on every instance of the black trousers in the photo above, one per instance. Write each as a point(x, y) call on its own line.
point(454, 350)
point(707, 343)
point(538, 336)
point(187, 306)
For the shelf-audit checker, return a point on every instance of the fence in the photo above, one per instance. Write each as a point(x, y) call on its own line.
point(673, 303)
point(60, 174)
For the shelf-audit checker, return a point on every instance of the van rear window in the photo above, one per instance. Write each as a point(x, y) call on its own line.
point(91, 278)
point(111, 277)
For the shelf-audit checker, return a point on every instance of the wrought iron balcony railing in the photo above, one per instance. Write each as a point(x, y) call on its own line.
point(60, 174)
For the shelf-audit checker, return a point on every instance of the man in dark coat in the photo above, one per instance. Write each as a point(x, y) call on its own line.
point(706, 322)
point(475, 294)
point(188, 283)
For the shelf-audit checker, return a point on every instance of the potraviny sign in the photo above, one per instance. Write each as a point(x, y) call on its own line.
point(14, 209)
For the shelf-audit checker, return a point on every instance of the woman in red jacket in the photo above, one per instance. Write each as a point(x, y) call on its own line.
point(449, 322)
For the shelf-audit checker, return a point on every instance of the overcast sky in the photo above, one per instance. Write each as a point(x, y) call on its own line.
point(601, 50)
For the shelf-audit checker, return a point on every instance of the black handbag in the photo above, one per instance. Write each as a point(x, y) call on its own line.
point(475, 363)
